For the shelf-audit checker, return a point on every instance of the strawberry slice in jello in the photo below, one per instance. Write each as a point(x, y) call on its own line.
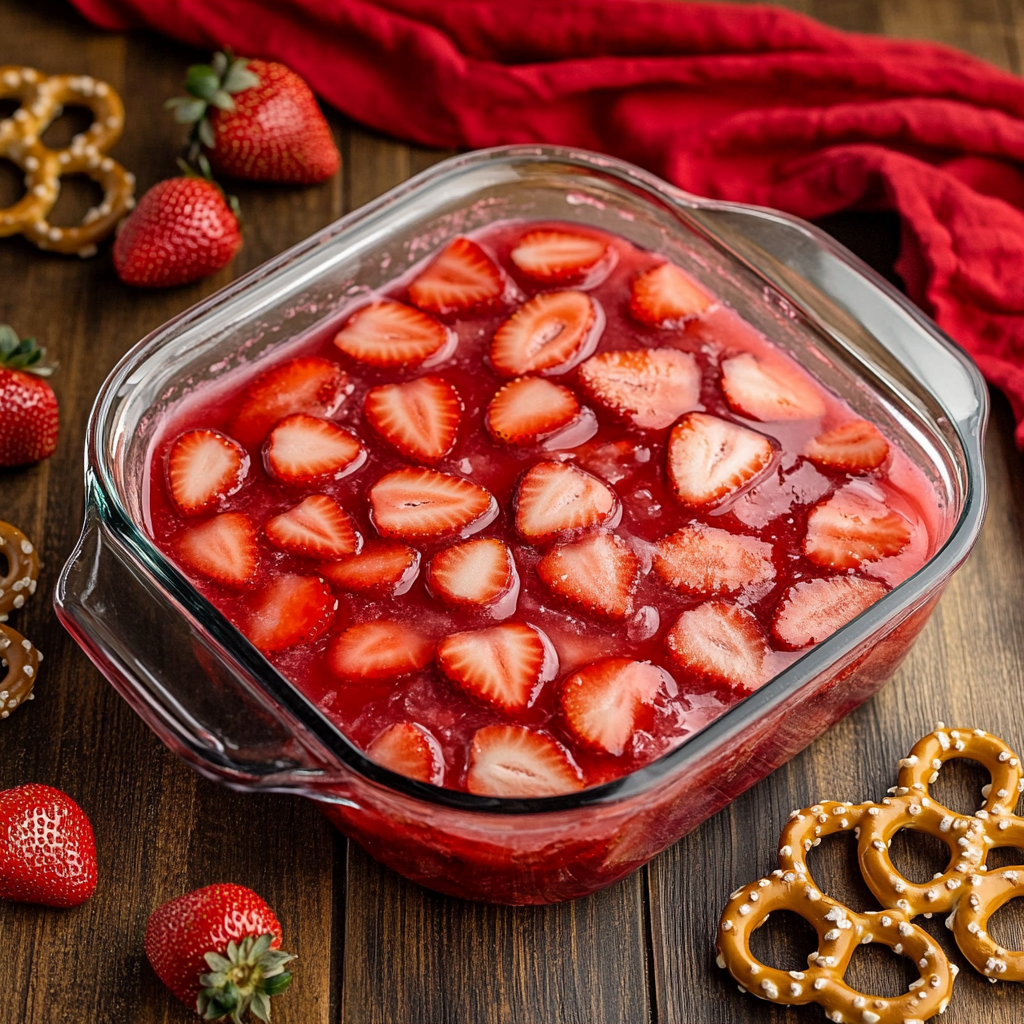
point(513, 761)
point(290, 610)
point(770, 389)
point(204, 468)
point(853, 527)
point(549, 334)
point(222, 549)
point(476, 573)
point(701, 559)
point(411, 751)
point(666, 297)
point(552, 257)
point(720, 643)
point(556, 500)
point(531, 409)
point(854, 447)
point(598, 574)
point(420, 419)
point(304, 449)
point(388, 333)
point(374, 651)
point(811, 611)
point(460, 277)
point(317, 527)
point(411, 504)
point(382, 568)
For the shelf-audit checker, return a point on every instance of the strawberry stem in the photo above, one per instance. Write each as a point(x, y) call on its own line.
point(22, 353)
point(246, 978)
point(205, 173)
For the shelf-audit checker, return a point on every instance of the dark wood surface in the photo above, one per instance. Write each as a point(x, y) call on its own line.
point(372, 947)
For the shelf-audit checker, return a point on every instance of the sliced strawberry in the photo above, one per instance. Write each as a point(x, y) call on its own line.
point(557, 499)
point(702, 559)
point(222, 549)
point(530, 409)
point(503, 666)
point(378, 651)
point(598, 574)
point(558, 257)
point(381, 568)
point(420, 418)
point(414, 503)
point(602, 701)
point(317, 527)
point(291, 610)
point(549, 334)
point(389, 333)
point(770, 390)
point(513, 761)
point(204, 467)
point(304, 449)
point(409, 750)
point(651, 388)
point(851, 528)
point(856, 447)
point(310, 385)
point(665, 297)
point(475, 572)
point(711, 459)
point(720, 643)
point(812, 611)
point(460, 277)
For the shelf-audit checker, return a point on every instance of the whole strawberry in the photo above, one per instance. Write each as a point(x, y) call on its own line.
point(47, 849)
point(258, 120)
point(217, 949)
point(28, 406)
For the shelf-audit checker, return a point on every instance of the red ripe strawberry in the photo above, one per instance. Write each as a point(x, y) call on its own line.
point(474, 573)
point(651, 388)
point(204, 467)
point(378, 651)
point(47, 848)
point(461, 276)
point(218, 950)
point(770, 389)
point(711, 459)
point(558, 257)
point(812, 611)
point(290, 610)
point(513, 761)
point(720, 643)
point(304, 449)
point(701, 559)
point(258, 120)
point(503, 666)
point(28, 406)
point(388, 333)
point(420, 418)
point(530, 409)
point(310, 385)
point(665, 297)
point(855, 447)
point(381, 568)
point(409, 750)
point(557, 499)
point(598, 574)
point(411, 504)
point(183, 229)
point(317, 527)
point(601, 702)
point(549, 334)
point(851, 528)
point(222, 549)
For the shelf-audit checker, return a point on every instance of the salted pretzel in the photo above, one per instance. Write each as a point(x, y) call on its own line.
point(42, 100)
point(22, 559)
point(19, 661)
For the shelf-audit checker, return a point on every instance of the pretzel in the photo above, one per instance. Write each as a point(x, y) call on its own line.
point(21, 660)
point(42, 100)
point(22, 569)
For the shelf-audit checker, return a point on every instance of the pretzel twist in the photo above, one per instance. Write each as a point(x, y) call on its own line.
point(19, 584)
point(21, 663)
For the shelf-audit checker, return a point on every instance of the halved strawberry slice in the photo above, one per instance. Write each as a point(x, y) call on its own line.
point(204, 467)
point(651, 388)
point(318, 527)
point(598, 574)
point(720, 643)
point(291, 610)
point(222, 549)
point(812, 611)
point(419, 418)
point(503, 666)
point(473, 573)
point(529, 409)
point(851, 528)
point(415, 503)
point(513, 761)
point(701, 559)
point(549, 334)
point(665, 297)
point(766, 389)
point(411, 751)
point(602, 701)
point(711, 459)
point(389, 333)
point(309, 384)
point(558, 257)
point(558, 499)
point(855, 447)
point(378, 651)
point(460, 277)
point(381, 568)
point(304, 449)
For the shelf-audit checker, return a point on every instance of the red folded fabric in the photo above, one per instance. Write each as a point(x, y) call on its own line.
point(747, 103)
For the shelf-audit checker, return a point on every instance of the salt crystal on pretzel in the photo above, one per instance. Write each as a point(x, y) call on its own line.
point(19, 661)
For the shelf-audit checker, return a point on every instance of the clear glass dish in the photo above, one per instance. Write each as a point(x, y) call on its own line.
point(214, 700)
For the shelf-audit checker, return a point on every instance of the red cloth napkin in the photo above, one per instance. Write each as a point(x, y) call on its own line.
point(747, 103)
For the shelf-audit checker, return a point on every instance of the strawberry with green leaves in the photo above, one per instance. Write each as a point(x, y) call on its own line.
point(28, 407)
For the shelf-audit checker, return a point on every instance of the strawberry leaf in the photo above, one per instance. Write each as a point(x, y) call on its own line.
point(22, 353)
point(239, 77)
point(202, 81)
point(245, 977)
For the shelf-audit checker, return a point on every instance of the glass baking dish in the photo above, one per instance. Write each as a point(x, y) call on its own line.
point(216, 702)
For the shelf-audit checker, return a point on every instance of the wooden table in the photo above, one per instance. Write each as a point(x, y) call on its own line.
point(372, 946)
